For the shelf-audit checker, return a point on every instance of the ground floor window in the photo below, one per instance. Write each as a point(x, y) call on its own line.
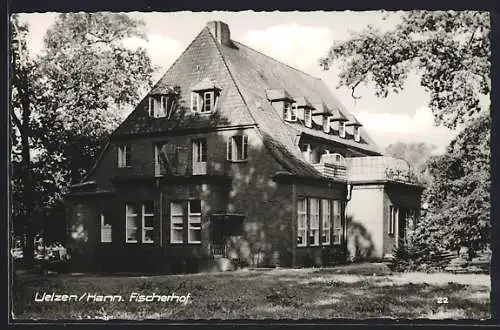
point(106, 236)
point(194, 221)
point(393, 216)
point(337, 222)
point(319, 219)
point(176, 222)
point(185, 215)
point(139, 214)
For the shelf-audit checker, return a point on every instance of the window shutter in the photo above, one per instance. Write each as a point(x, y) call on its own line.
point(212, 101)
point(245, 146)
point(151, 107)
point(194, 102)
point(127, 154)
point(230, 148)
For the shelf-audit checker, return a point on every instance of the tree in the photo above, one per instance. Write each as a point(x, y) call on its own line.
point(415, 154)
point(459, 197)
point(72, 97)
point(448, 50)
point(23, 99)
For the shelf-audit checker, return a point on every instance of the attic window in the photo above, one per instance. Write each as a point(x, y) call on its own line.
point(308, 117)
point(357, 136)
point(157, 106)
point(342, 130)
point(203, 102)
point(326, 124)
point(289, 111)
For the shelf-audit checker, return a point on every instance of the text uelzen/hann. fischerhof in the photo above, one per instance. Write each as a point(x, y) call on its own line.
point(97, 297)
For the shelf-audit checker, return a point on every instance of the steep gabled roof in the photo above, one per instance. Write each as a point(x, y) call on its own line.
point(245, 77)
point(255, 73)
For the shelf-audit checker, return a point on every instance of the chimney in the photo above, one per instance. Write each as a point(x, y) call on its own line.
point(220, 31)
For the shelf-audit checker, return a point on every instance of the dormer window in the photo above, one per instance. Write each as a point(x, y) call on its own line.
point(289, 111)
point(326, 124)
point(308, 117)
point(342, 129)
point(158, 106)
point(357, 136)
point(204, 96)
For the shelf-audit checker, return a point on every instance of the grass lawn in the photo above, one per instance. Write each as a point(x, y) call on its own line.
point(353, 291)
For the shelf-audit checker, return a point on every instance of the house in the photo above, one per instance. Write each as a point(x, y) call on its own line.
point(236, 156)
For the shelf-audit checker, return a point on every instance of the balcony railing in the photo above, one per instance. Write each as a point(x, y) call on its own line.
point(333, 171)
point(379, 168)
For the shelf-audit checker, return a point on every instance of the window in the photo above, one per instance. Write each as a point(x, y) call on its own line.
point(176, 222)
point(194, 221)
point(208, 102)
point(203, 102)
point(131, 223)
point(301, 222)
point(342, 129)
point(314, 222)
point(357, 136)
point(337, 222)
point(393, 215)
point(124, 155)
point(237, 148)
point(289, 111)
point(327, 220)
point(199, 157)
point(147, 222)
point(306, 151)
point(326, 124)
point(200, 150)
point(308, 117)
point(151, 106)
point(159, 149)
point(105, 230)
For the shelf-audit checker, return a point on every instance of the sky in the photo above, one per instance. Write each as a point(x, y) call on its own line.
point(298, 39)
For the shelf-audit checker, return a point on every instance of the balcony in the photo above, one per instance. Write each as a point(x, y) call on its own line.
point(332, 166)
point(380, 168)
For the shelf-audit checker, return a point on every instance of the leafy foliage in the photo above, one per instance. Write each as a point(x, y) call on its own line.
point(448, 50)
point(416, 154)
point(459, 197)
point(75, 94)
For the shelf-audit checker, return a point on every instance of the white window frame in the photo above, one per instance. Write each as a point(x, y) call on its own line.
point(191, 217)
point(232, 148)
point(157, 163)
point(174, 219)
point(314, 219)
point(326, 215)
point(289, 111)
point(211, 104)
point(106, 231)
point(337, 222)
point(342, 129)
point(144, 227)
point(151, 106)
point(326, 124)
point(308, 117)
point(123, 151)
point(393, 216)
point(357, 134)
point(302, 221)
point(127, 227)
point(200, 150)
point(163, 107)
